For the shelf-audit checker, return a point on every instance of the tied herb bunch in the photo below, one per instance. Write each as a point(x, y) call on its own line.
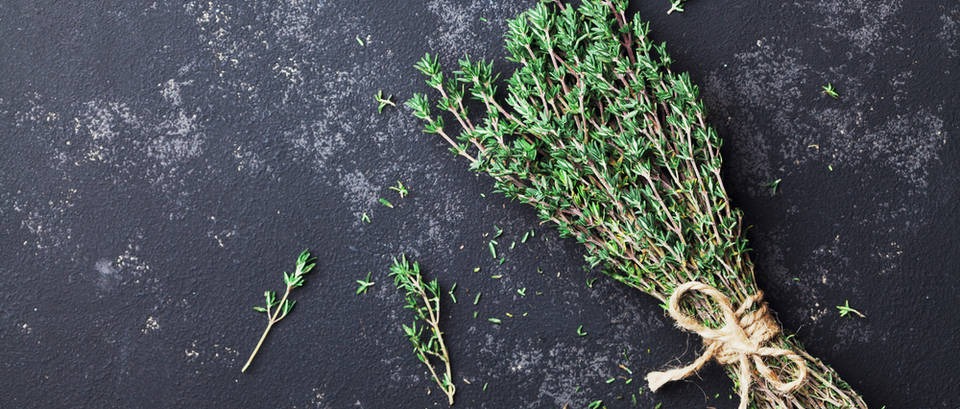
point(423, 298)
point(612, 147)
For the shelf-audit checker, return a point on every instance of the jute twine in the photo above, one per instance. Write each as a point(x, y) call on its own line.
point(739, 342)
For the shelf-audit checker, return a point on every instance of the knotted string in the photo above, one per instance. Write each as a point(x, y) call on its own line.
point(740, 341)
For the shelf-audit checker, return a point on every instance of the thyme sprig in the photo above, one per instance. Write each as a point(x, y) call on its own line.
point(423, 298)
point(676, 5)
point(846, 309)
point(612, 147)
point(365, 284)
point(382, 101)
point(275, 309)
point(830, 91)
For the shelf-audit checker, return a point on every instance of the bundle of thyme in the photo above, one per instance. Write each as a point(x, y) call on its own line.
point(612, 147)
point(423, 298)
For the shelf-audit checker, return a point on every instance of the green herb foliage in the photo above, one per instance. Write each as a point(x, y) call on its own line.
point(383, 101)
point(400, 189)
point(275, 309)
point(676, 5)
point(423, 298)
point(613, 148)
point(846, 309)
point(830, 91)
point(364, 285)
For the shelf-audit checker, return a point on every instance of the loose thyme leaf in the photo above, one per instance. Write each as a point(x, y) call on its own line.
point(676, 5)
point(830, 91)
point(845, 310)
point(400, 189)
point(774, 186)
point(383, 102)
point(364, 284)
point(386, 203)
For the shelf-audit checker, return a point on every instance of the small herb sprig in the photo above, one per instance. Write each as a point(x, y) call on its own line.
point(423, 298)
point(383, 101)
point(364, 284)
point(846, 309)
point(277, 310)
point(830, 91)
point(400, 189)
point(676, 5)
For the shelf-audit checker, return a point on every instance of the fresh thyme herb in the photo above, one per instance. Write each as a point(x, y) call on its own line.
point(276, 310)
point(423, 298)
point(360, 41)
point(495, 320)
point(829, 91)
point(452, 289)
point(774, 186)
point(364, 284)
point(676, 5)
point(400, 189)
point(492, 244)
point(365, 218)
point(845, 310)
point(613, 148)
point(383, 102)
point(385, 202)
point(581, 332)
point(522, 292)
point(476, 299)
point(597, 404)
point(497, 231)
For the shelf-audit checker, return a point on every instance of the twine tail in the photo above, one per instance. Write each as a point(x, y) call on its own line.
point(745, 380)
point(656, 379)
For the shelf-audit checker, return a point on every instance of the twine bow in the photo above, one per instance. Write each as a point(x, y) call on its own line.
point(738, 342)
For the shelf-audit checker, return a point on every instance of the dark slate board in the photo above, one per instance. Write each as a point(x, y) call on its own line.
point(163, 162)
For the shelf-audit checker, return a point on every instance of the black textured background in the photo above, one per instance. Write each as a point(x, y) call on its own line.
point(162, 162)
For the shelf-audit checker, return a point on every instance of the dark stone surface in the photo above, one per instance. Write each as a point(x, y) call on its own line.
point(162, 163)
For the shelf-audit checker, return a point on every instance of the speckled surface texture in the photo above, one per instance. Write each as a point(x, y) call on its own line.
point(161, 162)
